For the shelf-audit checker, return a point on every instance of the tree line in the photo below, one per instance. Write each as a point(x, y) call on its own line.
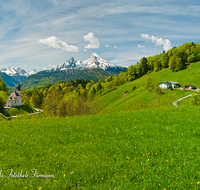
point(71, 98)
point(175, 59)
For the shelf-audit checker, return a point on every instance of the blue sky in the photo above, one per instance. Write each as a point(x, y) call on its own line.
point(39, 34)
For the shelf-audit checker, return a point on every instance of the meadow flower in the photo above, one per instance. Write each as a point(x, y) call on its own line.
point(198, 182)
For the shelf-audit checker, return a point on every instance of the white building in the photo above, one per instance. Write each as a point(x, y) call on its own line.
point(15, 98)
point(169, 84)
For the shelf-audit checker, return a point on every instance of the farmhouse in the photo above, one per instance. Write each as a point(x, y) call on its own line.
point(169, 84)
point(15, 98)
point(190, 87)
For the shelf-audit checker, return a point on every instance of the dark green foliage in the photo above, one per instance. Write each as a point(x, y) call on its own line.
point(36, 99)
point(92, 93)
point(109, 78)
point(1, 105)
point(134, 87)
point(157, 63)
point(3, 86)
point(172, 63)
point(99, 87)
point(164, 60)
point(131, 73)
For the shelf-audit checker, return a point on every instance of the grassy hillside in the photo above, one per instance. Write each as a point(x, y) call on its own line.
point(3, 117)
point(147, 149)
point(141, 98)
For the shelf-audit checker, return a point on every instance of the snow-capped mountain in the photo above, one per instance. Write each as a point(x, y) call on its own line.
point(70, 64)
point(16, 71)
point(94, 62)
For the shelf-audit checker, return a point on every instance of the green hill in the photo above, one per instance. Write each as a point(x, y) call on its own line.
point(141, 98)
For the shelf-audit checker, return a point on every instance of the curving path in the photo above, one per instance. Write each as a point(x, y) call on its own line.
point(175, 102)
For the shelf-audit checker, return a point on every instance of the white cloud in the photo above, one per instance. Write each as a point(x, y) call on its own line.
point(140, 46)
point(107, 46)
point(144, 50)
point(115, 46)
point(54, 42)
point(44, 68)
point(159, 41)
point(93, 41)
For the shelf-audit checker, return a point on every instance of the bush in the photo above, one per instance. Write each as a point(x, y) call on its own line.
point(195, 101)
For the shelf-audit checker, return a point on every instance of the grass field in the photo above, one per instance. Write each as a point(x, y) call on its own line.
point(147, 149)
point(116, 149)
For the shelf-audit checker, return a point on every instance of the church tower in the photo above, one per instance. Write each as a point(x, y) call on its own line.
point(18, 87)
point(15, 98)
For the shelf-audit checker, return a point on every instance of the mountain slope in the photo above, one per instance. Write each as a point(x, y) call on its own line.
point(140, 98)
point(45, 77)
point(17, 73)
point(10, 81)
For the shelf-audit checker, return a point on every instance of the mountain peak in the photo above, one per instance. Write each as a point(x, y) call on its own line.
point(94, 62)
point(16, 71)
point(95, 54)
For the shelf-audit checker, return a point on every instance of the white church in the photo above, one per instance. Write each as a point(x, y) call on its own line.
point(15, 98)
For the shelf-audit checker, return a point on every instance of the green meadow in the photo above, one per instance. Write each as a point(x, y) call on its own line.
point(145, 149)
point(139, 140)
point(140, 98)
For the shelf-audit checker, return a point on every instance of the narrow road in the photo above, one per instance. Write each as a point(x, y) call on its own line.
point(175, 102)
point(37, 111)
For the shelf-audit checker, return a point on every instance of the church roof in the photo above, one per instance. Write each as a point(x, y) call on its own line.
point(14, 95)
